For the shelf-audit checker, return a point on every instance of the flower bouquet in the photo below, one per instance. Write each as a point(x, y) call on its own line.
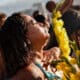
point(70, 66)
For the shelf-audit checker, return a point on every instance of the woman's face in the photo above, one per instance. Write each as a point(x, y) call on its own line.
point(37, 33)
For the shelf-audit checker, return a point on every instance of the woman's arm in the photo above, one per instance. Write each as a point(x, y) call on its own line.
point(30, 72)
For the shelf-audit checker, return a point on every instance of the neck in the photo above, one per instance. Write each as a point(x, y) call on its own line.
point(38, 51)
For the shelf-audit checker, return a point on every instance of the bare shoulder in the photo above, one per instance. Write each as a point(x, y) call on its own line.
point(30, 72)
point(35, 72)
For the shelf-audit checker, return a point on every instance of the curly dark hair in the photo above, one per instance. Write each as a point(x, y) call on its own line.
point(12, 43)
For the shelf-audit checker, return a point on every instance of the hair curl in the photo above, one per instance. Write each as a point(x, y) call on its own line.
point(12, 43)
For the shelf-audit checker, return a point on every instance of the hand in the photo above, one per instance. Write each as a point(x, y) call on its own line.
point(52, 54)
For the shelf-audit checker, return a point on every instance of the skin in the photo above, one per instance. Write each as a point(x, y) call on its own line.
point(37, 32)
point(63, 8)
point(39, 36)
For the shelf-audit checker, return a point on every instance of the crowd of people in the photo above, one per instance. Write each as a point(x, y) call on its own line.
point(28, 44)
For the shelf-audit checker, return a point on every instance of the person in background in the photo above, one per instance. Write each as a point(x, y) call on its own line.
point(70, 15)
point(71, 20)
point(2, 18)
point(21, 48)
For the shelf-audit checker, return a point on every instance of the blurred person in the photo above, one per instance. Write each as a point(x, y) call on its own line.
point(2, 18)
point(21, 49)
point(50, 6)
point(70, 18)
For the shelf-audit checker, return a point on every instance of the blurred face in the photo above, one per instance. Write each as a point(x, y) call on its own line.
point(37, 33)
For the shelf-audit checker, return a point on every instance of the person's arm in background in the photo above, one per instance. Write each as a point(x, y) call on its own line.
point(50, 5)
point(66, 5)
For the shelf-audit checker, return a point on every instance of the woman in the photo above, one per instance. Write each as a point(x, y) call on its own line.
point(22, 42)
point(72, 23)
